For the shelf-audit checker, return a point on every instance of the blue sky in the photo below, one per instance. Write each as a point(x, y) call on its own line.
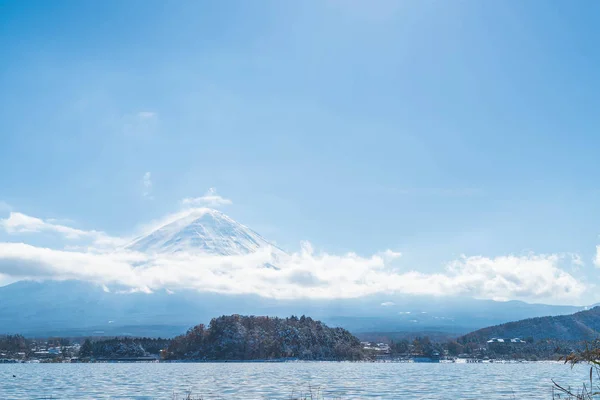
point(432, 128)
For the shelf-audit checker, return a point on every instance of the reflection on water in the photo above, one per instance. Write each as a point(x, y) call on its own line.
point(281, 380)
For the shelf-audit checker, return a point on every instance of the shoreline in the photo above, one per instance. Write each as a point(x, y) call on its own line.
point(461, 361)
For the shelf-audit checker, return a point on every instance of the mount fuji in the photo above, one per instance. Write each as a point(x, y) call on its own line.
point(82, 308)
point(202, 231)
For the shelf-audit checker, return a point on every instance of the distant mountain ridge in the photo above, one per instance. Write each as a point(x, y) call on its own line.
point(583, 325)
point(74, 308)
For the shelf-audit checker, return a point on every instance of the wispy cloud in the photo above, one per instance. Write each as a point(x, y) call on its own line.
point(18, 223)
point(21, 223)
point(140, 123)
point(147, 184)
point(597, 259)
point(390, 255)
point(146, 115)
point(299, 275)
point(210, 199)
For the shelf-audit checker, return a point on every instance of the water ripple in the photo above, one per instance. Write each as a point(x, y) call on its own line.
point(282, 380)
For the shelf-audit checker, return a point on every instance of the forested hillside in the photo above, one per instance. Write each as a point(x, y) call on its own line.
point(238, 337)
point(123, 347)
point(583, 325)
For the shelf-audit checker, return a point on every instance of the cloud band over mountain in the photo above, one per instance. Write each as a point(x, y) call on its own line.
point(267, 271)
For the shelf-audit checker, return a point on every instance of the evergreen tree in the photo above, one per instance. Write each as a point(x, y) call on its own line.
point(86, 349)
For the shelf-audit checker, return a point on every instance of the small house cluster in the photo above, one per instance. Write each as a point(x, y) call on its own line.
point(42, 351)
point(500, 345)
point(377, 347)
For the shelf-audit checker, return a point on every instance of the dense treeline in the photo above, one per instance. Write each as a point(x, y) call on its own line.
point(251, 338)
point(545, 349)
point(12, 344)
point(238, 337)
point(226, 338)
point(122, 347)
point(422, 346)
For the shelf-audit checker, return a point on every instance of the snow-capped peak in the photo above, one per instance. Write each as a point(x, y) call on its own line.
point(201, 230)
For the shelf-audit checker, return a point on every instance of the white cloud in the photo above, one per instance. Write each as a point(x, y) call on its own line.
point(514, 277)
point(21, 223)
point(388, 304)
point(24, 261)
point(597, 259)
point(60, 221)
point(18, 223)
point(146, 115)
point(390, 255)
point(147, 184)
point(141, 123)
point(304, 274)
point(210, 199)
point(299, 275)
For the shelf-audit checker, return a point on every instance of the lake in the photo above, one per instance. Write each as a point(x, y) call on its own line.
point(343, 380)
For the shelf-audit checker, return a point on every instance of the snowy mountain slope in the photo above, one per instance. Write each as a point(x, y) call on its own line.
point(203, 231)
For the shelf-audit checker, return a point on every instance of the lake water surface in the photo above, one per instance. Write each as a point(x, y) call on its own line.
point(282, 380)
